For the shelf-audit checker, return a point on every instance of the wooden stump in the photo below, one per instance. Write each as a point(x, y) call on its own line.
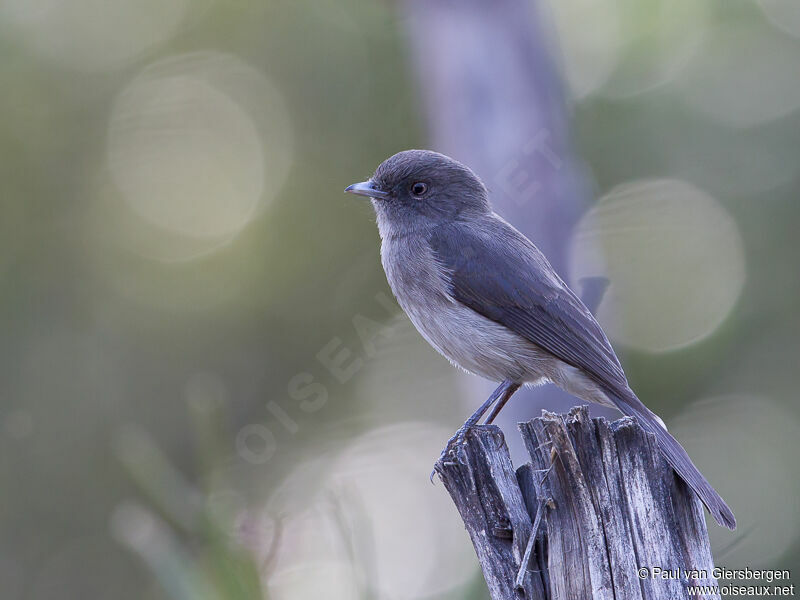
point(609, 509)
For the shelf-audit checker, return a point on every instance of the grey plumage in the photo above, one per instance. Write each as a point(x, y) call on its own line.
point(487, 299)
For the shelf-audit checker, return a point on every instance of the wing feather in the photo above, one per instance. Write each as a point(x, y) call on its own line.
point(500, 274)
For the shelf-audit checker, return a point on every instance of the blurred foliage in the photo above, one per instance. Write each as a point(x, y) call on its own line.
point(144, 329)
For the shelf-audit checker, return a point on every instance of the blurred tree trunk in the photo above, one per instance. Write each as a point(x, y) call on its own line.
point(494, 99)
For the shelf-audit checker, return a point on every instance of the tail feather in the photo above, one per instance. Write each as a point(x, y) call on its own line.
point(677, 457)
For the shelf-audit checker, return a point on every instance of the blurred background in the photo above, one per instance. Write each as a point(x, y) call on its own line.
point(206, 389)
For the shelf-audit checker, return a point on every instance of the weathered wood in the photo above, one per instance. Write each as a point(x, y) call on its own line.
point(484, 487)
point(608, 503)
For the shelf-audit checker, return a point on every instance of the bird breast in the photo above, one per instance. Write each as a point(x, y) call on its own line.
point(466, 338)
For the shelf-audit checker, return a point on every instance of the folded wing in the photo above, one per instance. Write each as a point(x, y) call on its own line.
point(500, 274)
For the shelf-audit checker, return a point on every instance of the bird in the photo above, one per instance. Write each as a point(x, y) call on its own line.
point(485, 297)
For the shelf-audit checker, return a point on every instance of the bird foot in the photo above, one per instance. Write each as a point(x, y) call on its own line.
point(450, 455)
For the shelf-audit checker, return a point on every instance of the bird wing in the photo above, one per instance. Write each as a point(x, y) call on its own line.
point(500, 274)
point(497, 272)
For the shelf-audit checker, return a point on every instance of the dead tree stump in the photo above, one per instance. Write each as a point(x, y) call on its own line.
point(607, 508)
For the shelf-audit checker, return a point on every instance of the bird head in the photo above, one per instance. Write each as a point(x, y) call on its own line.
point(415, 189)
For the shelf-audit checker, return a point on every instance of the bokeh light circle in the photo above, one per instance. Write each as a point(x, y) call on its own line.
point(657, 40)
point(199, 145)
point(133, 526)
point(91, 35)
point(673, 257)
point(623, 48)
point(188, 155)
point(329, 578)
point(588, 35)
point(405, 538)
point(739, 76)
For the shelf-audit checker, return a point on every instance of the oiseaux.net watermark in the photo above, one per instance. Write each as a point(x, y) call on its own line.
point(746, 581)
point(256, 443)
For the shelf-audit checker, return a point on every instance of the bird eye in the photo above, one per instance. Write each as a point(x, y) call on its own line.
point(419, 189)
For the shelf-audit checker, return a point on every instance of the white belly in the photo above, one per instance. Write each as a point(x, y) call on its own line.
point(469, 340)
point(479, 345)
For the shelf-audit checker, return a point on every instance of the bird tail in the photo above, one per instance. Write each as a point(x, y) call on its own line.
point(677, 457)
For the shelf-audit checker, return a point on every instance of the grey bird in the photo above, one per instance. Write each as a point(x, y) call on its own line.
point(487, 299)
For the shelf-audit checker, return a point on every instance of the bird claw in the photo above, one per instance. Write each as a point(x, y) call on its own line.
point(449, 456)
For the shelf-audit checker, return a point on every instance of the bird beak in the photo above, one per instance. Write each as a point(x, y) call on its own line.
point(366, 188)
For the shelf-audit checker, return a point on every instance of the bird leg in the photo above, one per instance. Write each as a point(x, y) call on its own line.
point(501, 395)
point(501, 402)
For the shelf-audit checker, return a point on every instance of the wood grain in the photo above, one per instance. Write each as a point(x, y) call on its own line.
point(608, 503)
